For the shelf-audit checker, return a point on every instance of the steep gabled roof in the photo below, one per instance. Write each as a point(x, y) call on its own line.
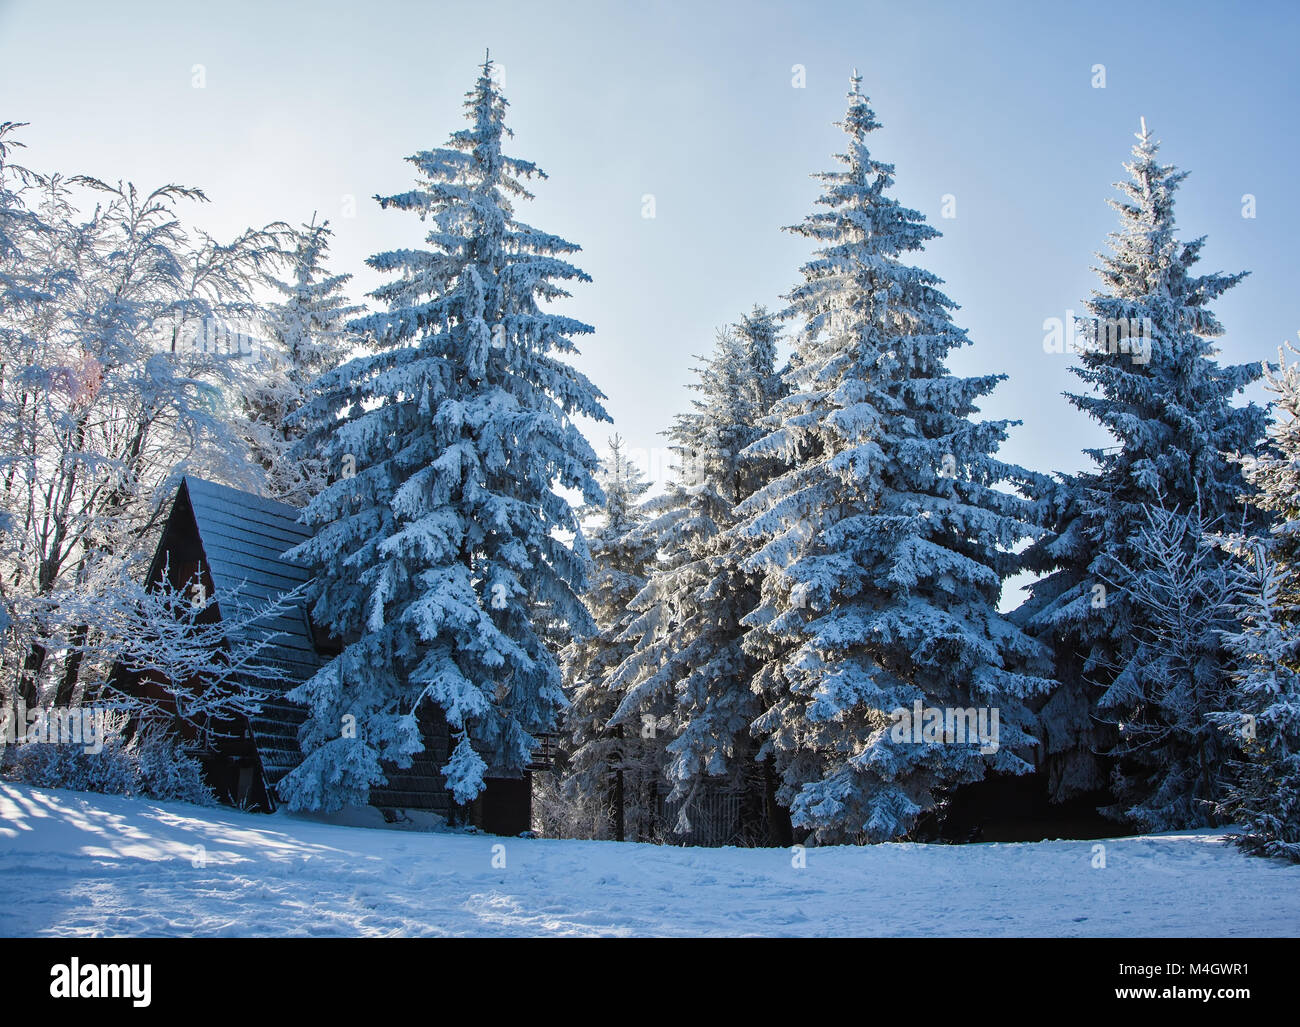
point(244, 538)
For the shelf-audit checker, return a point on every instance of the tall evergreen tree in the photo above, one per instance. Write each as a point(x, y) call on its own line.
point(1273, 479)
point(442, 541)
point(1264, 713)
point(886, 542)
point(622, 556)
point(688, 670)
point(308, 336)
point(1149, 359)
point(1181, 597)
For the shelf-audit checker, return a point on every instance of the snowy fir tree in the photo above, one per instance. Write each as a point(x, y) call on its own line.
point(308, 336)
point(1181, 594)
point(443, 534)
point(597, 770)
point(1148, 357)
point(1273, 477)
point(886, 540)
point(1263, 715)
point(687, 675)
point(1264, 795)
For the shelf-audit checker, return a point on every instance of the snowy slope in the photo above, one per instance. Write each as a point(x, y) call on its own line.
point(80, 864)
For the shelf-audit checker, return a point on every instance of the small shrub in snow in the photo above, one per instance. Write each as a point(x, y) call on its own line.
point(153, 764)
point(166, 770)
point(111, 770)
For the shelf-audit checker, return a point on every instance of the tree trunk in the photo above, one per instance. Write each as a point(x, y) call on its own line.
point(779, 826)
point(71, 667)
point(32, 665)
point(750, 827)
point(619, 812)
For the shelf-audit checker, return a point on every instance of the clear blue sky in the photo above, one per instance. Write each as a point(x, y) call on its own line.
point(692, 102)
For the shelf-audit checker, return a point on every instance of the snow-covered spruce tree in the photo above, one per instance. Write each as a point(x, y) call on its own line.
point(688, 673)
point(1181, 595)
point(1263, 714)
point(1273, 477)
point(1264, 795)
point(886, 543)
point(307, 336)
point(595, 778)
point(1149, 359)
point(442, 535)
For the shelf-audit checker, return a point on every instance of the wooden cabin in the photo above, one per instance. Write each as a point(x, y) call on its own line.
point(235, 541)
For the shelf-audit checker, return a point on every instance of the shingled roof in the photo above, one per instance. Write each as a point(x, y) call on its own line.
point(244, 539)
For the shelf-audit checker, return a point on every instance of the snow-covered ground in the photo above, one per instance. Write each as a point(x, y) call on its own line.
point(79, 864)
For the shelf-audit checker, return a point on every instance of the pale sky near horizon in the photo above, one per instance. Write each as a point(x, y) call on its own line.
point(308, 109)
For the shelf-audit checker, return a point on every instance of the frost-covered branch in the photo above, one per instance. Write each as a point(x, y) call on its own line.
point(212, 654)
